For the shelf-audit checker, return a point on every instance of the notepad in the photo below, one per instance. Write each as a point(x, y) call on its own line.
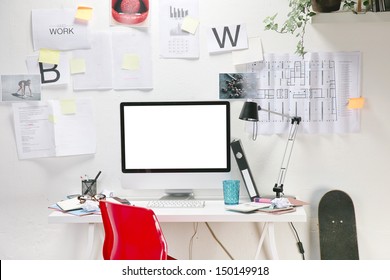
point(70, 204)
point(247, 207)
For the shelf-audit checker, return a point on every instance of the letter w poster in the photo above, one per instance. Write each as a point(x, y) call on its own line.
point(57, 29)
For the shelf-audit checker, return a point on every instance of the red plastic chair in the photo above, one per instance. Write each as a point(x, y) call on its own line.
point(131, 233)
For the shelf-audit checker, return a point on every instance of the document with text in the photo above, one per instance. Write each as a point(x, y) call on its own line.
point(54, 128)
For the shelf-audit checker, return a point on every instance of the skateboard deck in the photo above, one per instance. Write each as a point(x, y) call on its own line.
point(337, 226)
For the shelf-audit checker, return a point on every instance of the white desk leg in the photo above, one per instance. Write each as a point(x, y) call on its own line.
point(91, 236)
point(272, 242)
point(268, 229)
point(262, 236)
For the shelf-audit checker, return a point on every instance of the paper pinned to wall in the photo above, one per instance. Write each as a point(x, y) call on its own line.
point(42, 130)
point(56, 29)
point(98, 63)
point(174, 41)
point(316, 88)
point(252, 54)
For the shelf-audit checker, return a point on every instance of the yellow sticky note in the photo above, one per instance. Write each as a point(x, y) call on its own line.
point(49, 56)
point(84, 13)
point(130, 62)
point(356, 103)
point(190, 24)
point(77, 65)
point(52, 119)
point(68, 106)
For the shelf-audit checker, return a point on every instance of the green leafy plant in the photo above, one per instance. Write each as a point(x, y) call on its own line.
point(297, 19)
point(356, 7)
point(301, 12)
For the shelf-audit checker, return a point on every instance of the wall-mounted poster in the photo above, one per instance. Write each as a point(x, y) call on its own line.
point(20, 87)
point(134, 13)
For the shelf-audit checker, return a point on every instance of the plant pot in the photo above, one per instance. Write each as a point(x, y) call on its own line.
point(325, 6)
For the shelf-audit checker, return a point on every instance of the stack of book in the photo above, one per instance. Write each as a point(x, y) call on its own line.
point(73, 206)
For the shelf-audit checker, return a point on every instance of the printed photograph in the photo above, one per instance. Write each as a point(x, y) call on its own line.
point(237, 85)
point(21, 87)
point(134, 13)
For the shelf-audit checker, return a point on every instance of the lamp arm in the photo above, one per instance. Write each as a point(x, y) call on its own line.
point(278, 188)
point(276, 113)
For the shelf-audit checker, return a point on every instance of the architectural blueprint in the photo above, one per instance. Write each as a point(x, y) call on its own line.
point(316, 88)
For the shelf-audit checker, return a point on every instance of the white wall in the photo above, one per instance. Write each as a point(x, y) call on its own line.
point(356, 163)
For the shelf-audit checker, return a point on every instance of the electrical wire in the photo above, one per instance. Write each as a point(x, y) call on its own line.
point(219, 242)
point(192, 241)
point(299, 243)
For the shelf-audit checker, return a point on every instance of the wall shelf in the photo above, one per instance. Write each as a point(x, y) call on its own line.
point(349, 17)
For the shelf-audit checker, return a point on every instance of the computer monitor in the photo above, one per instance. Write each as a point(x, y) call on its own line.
point(175, 146)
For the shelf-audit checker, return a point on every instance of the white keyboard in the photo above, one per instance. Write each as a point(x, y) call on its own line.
point(192, 203)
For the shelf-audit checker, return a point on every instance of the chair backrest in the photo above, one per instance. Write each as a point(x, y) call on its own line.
point(131, 233)
point(109, 235)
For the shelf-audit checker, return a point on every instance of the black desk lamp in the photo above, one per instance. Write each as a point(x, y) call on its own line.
point(249, 112)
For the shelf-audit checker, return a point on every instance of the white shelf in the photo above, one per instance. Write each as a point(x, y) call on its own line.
point(349, 17)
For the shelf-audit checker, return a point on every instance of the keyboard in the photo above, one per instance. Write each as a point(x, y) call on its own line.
point(193, 203)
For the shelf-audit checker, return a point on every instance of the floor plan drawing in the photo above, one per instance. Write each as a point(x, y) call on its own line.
point(316, 88)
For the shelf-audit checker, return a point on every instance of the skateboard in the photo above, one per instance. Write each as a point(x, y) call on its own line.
point(337, 226)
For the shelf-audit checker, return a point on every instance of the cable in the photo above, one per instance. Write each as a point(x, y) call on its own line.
point(219, 242)
point(192, 241)
point(299, 243)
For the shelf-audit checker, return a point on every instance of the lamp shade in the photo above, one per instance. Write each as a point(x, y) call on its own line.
point(249, 112)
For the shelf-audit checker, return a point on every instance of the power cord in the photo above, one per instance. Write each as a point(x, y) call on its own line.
point(299, 243)
point(219, 242)
point(192, 241)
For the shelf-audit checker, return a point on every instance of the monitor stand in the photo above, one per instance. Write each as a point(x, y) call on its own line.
point(178, 194)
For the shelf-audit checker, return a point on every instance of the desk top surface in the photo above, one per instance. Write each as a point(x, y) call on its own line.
point(214, 211)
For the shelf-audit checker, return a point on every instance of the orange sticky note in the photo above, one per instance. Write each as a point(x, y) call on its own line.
point(84, 13)
point(356, 103)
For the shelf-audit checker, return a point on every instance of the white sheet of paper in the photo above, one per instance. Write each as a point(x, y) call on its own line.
point(175, 42)
point(135, 42)
point(33, 130)
point(252, 54)
point(98, 64)
point(227, 38)
point(42, 130)
point(56, 29)
point(53, 75)
point(317, 89)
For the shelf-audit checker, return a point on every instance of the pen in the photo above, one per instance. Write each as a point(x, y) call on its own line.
point(93, 183)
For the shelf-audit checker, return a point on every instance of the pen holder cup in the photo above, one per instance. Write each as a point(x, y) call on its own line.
point(231, 191)
point(88, 187)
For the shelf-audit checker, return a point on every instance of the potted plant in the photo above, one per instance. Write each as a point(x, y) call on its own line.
point(301, 11)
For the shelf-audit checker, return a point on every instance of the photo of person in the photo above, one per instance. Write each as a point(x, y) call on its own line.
point(23, 84)
point(20, 87)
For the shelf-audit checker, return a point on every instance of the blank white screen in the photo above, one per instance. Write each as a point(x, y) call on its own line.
point(175, 137)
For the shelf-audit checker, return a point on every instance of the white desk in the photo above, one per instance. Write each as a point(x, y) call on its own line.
point(214, 211)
